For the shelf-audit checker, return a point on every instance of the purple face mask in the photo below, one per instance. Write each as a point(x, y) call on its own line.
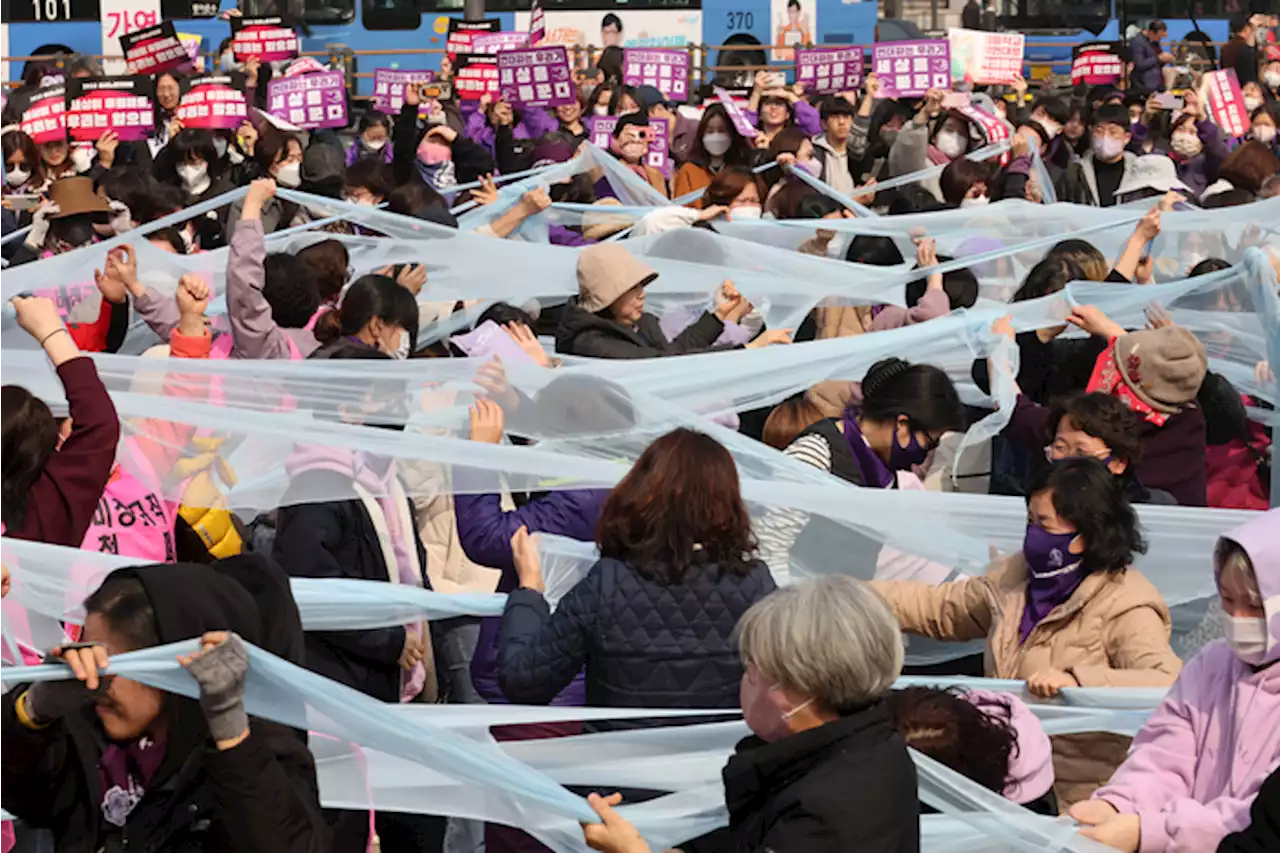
point(904, 458)
point(1053, 573)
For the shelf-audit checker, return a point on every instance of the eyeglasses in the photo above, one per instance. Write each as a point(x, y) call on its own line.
point(1057, 452)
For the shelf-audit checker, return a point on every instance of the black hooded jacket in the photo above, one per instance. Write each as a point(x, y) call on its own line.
point(586, 334)
point(260, 796)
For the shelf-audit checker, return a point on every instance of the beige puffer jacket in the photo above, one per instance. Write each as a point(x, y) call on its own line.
point(1112, 632)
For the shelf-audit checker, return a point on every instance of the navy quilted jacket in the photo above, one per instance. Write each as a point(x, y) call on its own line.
point(645, 644)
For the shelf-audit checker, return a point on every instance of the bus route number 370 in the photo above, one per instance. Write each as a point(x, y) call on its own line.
point(741, 20)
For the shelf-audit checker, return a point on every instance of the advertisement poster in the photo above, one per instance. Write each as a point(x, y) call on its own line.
point(826, 71)
point(658, 28)
point(1098, 63)
point(665, 70)
point(911, 68)
point(538, 77)
point(96, 105)
point(310, 101)
point(44, 114)
point(266, 39)
point(794, 23)
point(213, 102)
point(985, 58)
point(154, 50)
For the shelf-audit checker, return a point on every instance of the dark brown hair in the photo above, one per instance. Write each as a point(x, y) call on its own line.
point(1102, 416)
point(679, 505)
point(325, 263)
point(950, 729)
point(788, 419)
point(1249, 166)
point(730, 181)
point(30, 435)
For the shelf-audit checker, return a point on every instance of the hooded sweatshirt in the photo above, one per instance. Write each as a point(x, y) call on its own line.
point(1199, 761)
point(259, 795)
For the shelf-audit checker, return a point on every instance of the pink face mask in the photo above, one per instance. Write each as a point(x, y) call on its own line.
point(433, 153)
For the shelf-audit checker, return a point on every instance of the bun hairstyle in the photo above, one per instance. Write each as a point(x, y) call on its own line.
point(368, 297)
point(921, 392)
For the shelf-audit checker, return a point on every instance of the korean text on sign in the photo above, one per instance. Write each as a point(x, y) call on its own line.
point(389, 85)
point(266, 39)
point(986, 58)
point(1226, 102)
point(665, 70)
point(601, 128)
point(1097, 65)
point(214, 103)
point(310, 101)
point(911, 68)
point(45, 118)
point(491, 44)
point(154, 50)
point(108, 105)
point(475, 78)
point(535, 78)
point(829, 70)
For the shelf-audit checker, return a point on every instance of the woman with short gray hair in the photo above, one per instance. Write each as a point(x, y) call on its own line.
point(825, 770)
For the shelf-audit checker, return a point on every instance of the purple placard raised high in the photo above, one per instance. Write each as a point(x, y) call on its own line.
point(911, 68)
point(309, 100)
point(600, 130)
point(736, 115)
point(389, 85)
point(665, 70)
point(491, 44)
point(825, 71)
point(535, 78)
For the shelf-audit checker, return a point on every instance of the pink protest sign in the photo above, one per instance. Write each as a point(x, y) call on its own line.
point(491, 44)
point(154, 50)
point(462, 33)
point(1097, 64)
point(1226, 102)
point(736, 115)
point(44, 117)
point(537, 24)
point(310, 100)
point(267, 39)
point(213, 102)
point(911, 68)
point(985, 58)
point(601, 128)
point(96, 105)
point(474, 77)
point(389, 85)
point(829, 70)
point(538, 77)
point(665, 70)
point(995, 130)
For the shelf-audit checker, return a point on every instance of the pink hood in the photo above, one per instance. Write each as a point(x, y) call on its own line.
point(1260, 538)
point(1031, 764)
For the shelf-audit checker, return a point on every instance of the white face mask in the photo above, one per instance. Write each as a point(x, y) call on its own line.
point(375, 145)
point(220, 146)
point(716, 143)
point(194, 175)
point(1272, 79)
point(951, 143)
point(600, 109)
point(1264, 133)
point(289, 175)
point(975, 201)
point(1251, 103)
point(402, 349)
point(1186, 144)
point(82, 158)
point(16, 177)
point(744, 211)
point(1247, 636)
point(1051, 127)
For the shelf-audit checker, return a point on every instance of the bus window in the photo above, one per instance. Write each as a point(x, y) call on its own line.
point(391, 15)
point(328, 11)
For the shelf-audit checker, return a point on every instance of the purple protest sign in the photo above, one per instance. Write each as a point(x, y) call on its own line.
point(389, 85)
point(535, 78)
point(491, 44)
point(309, 100)
point(735, 114)
point(665, 70)
point(911, 68)
point(600, 131)
point(829, 70)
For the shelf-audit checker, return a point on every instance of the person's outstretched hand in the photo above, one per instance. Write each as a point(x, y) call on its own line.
point(486, 421)
point(524, 553)
point(769, 337)
point(48, 701)
point(219, 668)
point(528, 342)
point(1093, 320)
point(614, 834)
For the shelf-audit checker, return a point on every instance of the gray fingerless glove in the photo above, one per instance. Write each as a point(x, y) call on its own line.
point(220, 673)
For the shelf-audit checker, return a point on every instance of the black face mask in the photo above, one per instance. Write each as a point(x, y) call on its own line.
point(73, 230)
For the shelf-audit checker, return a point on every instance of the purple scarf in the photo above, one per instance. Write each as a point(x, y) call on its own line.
point(1050, 578)
point(875, 474)
point(124, 772)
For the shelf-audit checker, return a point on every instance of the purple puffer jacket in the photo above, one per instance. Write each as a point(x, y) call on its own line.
point(485, 532)
point(530, 124)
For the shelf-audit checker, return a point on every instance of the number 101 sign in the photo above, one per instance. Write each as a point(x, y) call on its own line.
point(120, 17)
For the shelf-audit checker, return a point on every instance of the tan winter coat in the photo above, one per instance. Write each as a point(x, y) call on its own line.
point(1112, 632)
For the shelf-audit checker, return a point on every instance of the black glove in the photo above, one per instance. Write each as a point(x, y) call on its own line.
point(48, 701)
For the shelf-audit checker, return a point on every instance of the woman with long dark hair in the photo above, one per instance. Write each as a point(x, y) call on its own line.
point(717, 145)
point(653, 621)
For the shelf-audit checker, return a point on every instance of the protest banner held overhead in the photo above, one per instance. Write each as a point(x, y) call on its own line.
point(266, 39)
point(43, 112)
point(665, 70)
point(538, 77)
point(213, 101)
point(122, 105)
point(911, 68)
point(310, 101)
point(824, 70)
point(986, 58)
point(154, 50)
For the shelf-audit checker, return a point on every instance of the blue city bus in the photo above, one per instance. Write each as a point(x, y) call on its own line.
point(1053, 28)
point(42, 27)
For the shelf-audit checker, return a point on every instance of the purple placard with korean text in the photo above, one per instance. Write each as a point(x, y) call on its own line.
point(600, 129)
point(538, 77)
point(736, 115)
point(389, 85)
point(310, 100)
point(829, 70)
point(908, 69)
point(665, 70)
point(491, 44)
